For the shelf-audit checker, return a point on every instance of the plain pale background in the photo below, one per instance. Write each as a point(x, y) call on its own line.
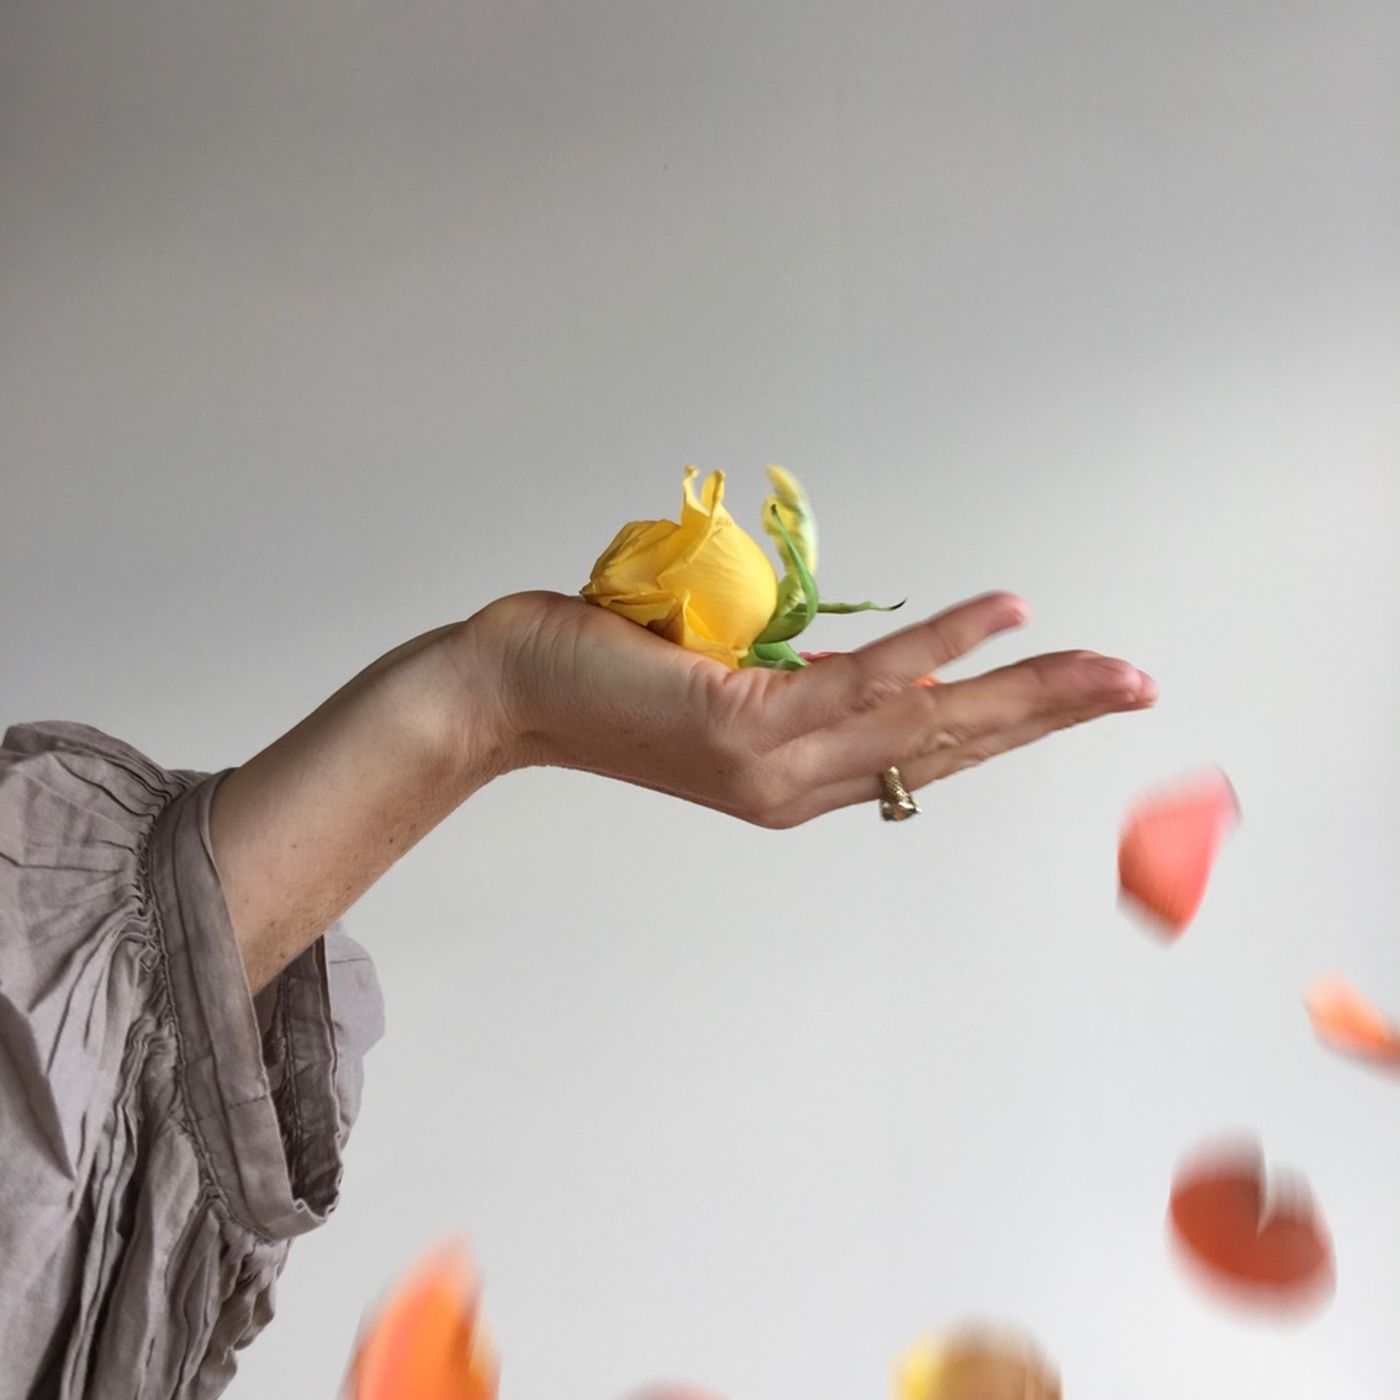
point(322, 324)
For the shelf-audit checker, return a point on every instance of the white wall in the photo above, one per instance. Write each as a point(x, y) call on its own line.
point(321, 324)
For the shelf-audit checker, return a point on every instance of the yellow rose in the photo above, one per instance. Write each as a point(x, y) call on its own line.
point(975, 1365)
point(703, 583)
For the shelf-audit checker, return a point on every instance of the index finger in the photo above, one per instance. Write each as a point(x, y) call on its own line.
point(855, 682)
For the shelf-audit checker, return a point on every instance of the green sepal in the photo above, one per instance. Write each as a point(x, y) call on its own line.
point(860, 607)
point(791, 616)
point(775, 656)
point(796, 510)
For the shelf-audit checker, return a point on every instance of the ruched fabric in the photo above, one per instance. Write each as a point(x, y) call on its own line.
point(163, 1136)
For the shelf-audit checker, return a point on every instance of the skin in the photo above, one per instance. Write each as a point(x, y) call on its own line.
point(302, 829)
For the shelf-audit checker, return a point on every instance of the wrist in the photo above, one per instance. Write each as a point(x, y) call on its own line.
point(475, 724)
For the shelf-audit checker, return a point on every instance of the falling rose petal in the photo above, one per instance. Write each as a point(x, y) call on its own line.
point(975, 1363)
point(1346, 1021)
point(428, 1342)
point(1168, 846)
point(927, 681)
point(1263, 1244)
point(675, 1392)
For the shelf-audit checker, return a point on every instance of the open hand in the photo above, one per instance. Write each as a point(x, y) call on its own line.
point(581, 688)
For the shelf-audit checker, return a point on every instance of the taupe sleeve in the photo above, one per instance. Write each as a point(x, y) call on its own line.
point(161, 1132)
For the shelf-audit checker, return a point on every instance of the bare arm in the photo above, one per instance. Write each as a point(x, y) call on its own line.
point(304, 828)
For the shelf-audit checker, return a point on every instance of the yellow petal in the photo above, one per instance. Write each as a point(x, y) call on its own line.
point(731, 584)
point(976, 1364)
point(700, 519)
point(711, 498)
point(694, 634)
point(657, 611)
point(638, 553)
point(916, 1375)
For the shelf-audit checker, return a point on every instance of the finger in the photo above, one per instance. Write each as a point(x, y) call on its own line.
point(1030, 694)
point(920, 771)
point(856, 682)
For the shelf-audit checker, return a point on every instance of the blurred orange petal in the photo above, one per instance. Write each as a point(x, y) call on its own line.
point(1346, 1021)
point(1265, 1243)
point(1168, 846)
point(428, 1342)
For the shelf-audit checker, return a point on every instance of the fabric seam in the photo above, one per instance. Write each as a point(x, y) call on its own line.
point(187, 1120)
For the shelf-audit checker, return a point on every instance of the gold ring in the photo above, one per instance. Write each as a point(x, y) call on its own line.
point(896, 803)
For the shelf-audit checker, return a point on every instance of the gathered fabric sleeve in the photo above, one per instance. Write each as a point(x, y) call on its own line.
point(165, 1134)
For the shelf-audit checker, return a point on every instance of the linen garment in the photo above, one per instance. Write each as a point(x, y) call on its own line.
point(162, 1136)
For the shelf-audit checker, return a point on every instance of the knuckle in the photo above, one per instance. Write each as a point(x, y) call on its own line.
point(1046, 679)
point(1045, 670)
point(873, 688)
point(948, 638)
point(939, 738)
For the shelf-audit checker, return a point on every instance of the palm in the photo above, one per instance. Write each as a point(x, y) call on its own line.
point(603, 681)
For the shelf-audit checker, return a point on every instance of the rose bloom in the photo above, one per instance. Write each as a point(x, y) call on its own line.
point(702, 583)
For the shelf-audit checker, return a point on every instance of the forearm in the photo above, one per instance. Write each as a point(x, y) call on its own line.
point(300, 831)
